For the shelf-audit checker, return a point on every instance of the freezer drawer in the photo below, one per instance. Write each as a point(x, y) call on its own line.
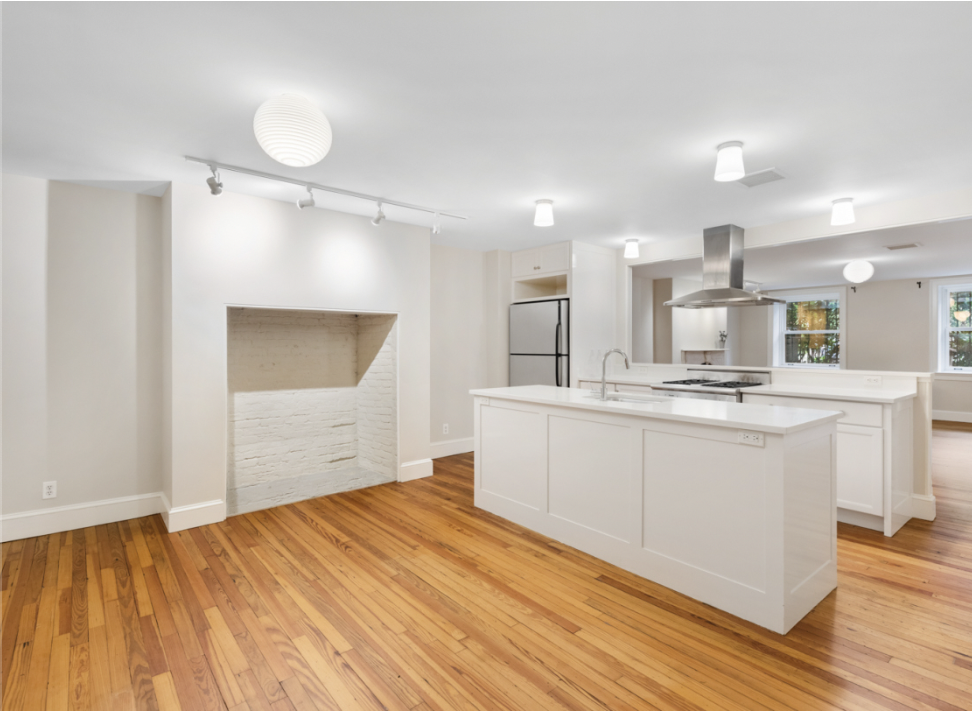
point(538, 371)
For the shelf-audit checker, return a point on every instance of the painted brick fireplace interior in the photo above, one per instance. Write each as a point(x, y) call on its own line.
point(312, 404)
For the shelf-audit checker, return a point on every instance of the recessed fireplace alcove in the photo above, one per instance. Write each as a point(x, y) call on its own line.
point(311, 404)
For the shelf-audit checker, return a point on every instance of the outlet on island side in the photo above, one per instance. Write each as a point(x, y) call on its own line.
point(49, 490)
point(447, 428)
point(872, 380)
point(748, 438)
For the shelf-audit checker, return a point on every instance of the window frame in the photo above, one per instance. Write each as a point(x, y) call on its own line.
point(943, 328)
point(779, 331)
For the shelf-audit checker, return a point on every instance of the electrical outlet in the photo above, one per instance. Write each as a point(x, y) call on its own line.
point(872, 380)
point(747, 438)
point(642, 369)
point(446, 428)
point(49, 490)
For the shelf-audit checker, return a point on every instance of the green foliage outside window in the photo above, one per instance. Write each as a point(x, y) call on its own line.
point(960, 325)
point(821, 315)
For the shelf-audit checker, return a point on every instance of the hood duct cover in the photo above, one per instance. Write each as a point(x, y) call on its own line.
point(722, 274)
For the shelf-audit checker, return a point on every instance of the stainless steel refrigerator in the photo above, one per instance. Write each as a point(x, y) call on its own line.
point(538, 343)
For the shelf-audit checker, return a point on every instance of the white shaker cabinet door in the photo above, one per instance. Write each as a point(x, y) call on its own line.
point(554, 258)
point(860, 469)
point(525, 263)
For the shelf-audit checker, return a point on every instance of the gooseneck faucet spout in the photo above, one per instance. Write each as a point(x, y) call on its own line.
point(603, 387)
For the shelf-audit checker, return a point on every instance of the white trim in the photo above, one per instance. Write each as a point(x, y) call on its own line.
point(860, 519)
point(40, 522)
point(923, 506)
point(195, 515)
point(936, 319)
point(416, 469)
point(954, 416)
point(446, 448)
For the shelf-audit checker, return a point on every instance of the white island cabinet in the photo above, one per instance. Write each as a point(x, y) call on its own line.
point(731, 504)
point(874, 449)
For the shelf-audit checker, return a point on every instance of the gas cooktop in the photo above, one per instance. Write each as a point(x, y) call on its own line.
point(690, 382)
point(733, 384)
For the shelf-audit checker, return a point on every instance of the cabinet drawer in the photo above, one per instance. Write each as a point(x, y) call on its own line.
point(869, 414)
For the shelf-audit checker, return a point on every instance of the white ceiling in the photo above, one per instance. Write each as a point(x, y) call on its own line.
point(613, 110)
point(944, 250)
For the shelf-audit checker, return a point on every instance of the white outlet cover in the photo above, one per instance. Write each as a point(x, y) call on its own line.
point(49, 490)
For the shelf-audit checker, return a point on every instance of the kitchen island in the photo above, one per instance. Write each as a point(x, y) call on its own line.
point(728, 503)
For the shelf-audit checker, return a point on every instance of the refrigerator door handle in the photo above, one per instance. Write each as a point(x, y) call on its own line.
point(559, 328)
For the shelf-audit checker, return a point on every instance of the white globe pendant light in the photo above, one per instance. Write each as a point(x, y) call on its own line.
point(729, 165)
point(292, 130)
point(858, 271)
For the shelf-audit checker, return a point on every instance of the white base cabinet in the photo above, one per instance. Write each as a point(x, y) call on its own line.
point(748, 529)
point(874, 458)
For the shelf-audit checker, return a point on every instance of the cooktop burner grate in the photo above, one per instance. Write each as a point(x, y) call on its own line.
point(689, 382)
point(733, 384)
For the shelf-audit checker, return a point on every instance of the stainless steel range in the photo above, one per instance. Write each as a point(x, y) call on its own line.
point(713, 384)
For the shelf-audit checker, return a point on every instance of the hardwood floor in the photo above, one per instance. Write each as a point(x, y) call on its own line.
point(404, 596)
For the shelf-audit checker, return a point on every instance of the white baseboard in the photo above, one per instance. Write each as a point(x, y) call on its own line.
point(955, 416)
point(416, 469)
point(446, 448)
point(860, 519)
point(40, 522)
point(923, 506)
point(194, 515)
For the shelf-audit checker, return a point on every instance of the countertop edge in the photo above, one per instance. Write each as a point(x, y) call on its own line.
point(826, 416)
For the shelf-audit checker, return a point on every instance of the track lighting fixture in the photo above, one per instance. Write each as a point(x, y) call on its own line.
point(543, 214)
point(842, 211)
point(631, 248)
point(729, 165)
point(216, 187)
point(380, 217)
point(308, 202)
point(435, 229)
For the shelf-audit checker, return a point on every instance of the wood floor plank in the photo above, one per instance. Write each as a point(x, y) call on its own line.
point(406, 596)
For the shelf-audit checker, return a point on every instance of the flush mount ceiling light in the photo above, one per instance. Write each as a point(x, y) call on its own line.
point(380, 217)
point(308, 202)
point(858, 271)
point(292, 130)
point(842, 212)
point(543, 214)
point(729, 165)
point(631, 248)
point(216, 187)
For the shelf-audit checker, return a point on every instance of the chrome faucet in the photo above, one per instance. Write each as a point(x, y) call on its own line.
point(603, 387)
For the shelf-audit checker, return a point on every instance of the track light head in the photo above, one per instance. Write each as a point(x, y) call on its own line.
point(380, 217)
point(308, 202)
point(213, 182)
point(435, 229)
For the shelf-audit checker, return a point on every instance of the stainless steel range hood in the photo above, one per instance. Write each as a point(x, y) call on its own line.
point(722, 274)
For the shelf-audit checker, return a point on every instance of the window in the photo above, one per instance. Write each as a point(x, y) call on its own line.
point(955, 306)
point(808, 331)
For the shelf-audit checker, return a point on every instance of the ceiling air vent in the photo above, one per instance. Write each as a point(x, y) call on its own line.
point(909, 246)
point(760, 178)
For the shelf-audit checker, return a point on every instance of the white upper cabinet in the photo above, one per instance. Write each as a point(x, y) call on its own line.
point(541, 260)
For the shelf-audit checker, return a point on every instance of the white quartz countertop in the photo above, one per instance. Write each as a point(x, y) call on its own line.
point(764, 418)
point(862, 395)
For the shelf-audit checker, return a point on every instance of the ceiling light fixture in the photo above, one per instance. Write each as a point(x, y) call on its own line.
point(435, 229)
point(380, 217)
point(631, 248)
point(858, 271)
point(842, 212)
point(216, 187)
point(308, 202)
point(292, 130)
point(214, 165)
point(543, 214)
point(729, 165)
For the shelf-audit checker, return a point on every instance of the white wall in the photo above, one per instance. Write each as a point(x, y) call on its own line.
point(81, 344)
point(694, 329)
point(644, 334)
point(498, 297)
point(458, 345)
point(245, 251)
